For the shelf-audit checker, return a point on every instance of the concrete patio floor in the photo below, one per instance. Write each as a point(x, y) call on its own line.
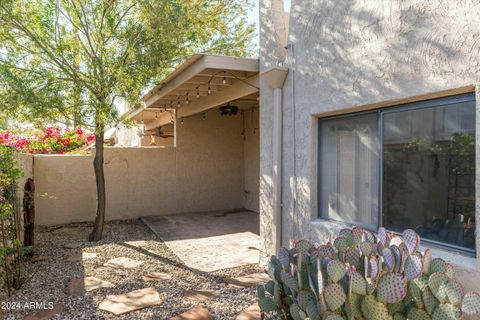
point(210, 241)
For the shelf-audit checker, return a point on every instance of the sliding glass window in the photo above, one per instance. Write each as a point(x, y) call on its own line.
point(413, 166)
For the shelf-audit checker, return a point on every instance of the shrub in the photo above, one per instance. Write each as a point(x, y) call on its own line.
point(11, 249)
point(51, 140)
point(363, 276)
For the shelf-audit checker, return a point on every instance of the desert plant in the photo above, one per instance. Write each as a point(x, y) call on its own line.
point(363, 276)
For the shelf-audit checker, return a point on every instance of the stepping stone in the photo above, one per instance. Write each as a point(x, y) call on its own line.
point(73, 245)
point(122, 262)
point(248, 280)
point(36, 259)
point(46, 314)
point(250, 313)
point(156, 276)
point(199, 295)
point(135, 300)
point(78, 286)
point(194, 314)
point(82, 256)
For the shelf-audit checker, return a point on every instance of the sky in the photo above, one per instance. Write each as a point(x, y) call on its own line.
point(253, 15)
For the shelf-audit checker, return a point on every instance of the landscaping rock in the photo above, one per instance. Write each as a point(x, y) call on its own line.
point(199, 295)
point(156, 276)
point(194, 314)
point(36, 259)
point(250, 313)
point(46, 314)
point(124, 263)
point(135, 300)
point(73, 245)
point(248, 280)
point(78, 286)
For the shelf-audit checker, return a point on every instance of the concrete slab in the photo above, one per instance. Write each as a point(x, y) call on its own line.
point(197, 313)
point(250, 313)
point(131, 301)
point(210, 241)
point(122, 262)
point(249, 280)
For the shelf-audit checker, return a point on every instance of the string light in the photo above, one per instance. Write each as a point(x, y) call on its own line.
point(178, 102)
point(181, 120)
point(198, 93)
point(204, 116)
point(209, 88)
point(224, 77)
point(258, 97)
point(156, 116)
point(187, 101)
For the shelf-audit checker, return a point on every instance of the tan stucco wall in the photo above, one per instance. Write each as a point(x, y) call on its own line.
point(204, 172)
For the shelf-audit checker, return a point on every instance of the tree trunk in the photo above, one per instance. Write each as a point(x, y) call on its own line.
point(97, 231)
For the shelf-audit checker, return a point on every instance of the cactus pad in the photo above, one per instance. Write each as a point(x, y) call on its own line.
point(454, 291)
point(429, 301)
point(446, 311)
point(359, 284)
point(413, 267)
point(388, 258)
point(437, 265)
point(427, 260)
point(391, 288)
point(357, 233)
point(382, 236)
point(347, 234)
point(302, 246)
point(374, 268)
point(418, 314)
point(295, 312)
point(326, 250)
point(416, 288)
point(335, 270)
point(471, 304)
point(289, 280)
point(396, 241)
point(397, 307)
point(352, 257)
point(373, 309)
point(305, 297)
point(449, 270)
point(267, 304)
point(341, 244)
point(334, 296)
point(398, 258)
point(399, 316)
point(411, 240)
point(334, 316)
point(284, 258)
point(437, 284)
point(366, 248)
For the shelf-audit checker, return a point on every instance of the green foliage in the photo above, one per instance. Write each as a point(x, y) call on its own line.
point(391, 280)
point(11, 249)
point(73, 61)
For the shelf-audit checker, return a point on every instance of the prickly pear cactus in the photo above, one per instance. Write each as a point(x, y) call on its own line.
point(360, 275)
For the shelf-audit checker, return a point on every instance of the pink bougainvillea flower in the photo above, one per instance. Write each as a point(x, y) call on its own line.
point(79, 131)
point(90, 137)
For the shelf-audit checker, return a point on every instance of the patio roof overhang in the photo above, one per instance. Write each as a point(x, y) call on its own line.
point(201, 83)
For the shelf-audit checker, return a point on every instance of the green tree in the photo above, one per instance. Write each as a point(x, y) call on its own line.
point(72, 61)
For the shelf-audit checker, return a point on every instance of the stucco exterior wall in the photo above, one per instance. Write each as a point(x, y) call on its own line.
point(204, 173)
point(350, 54)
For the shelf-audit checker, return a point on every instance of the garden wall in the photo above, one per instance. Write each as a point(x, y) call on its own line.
point(205, 172)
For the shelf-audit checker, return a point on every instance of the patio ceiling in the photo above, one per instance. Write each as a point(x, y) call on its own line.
point(201, 83)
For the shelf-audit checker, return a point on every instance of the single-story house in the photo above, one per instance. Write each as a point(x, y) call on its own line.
point(356, 113)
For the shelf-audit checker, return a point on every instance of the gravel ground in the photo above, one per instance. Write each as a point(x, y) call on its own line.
point(47, 280)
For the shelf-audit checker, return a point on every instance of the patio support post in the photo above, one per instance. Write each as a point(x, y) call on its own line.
point(275, 77)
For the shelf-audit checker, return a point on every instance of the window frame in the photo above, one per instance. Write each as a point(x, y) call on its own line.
point(380, 112)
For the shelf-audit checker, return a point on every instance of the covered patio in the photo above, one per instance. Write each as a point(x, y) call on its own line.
point(207, 110)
